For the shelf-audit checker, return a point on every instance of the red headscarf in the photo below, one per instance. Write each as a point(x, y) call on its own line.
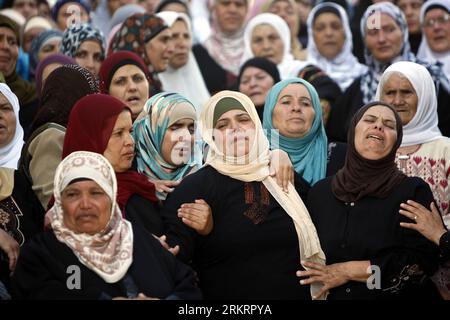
point(90, 126)
point(116, 60)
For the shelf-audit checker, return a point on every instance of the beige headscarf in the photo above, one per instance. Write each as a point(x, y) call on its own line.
point(6, 182)
point(108, 253)
point(255, 167)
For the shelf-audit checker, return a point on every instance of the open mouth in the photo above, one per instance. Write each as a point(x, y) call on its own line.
point(375, 137)
point(133, 99)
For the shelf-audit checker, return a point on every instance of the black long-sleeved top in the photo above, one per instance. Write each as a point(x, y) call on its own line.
point(369, 229)
point(444, 245)
point(252, 251)
point(42, 272)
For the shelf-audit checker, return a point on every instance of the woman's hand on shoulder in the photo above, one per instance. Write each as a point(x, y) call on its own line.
point(427, 222)
point(198, 216)
point(281, 168)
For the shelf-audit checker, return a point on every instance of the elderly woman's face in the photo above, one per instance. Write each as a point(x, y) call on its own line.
point(29, 36)
point(120, 149)
point(89, 55)
point(159, 50)
point(329, 35)
point(288, 13)
point(130, 85)
point(267, 43)
point(182, 44)
point(9, 51)
point(7, 121)
point(234, 133)
point(86, 207)
point(376, 133)
point(178, 142)
point(294, 113)
point(255, 83)
point(385, 42)
point(399, 92)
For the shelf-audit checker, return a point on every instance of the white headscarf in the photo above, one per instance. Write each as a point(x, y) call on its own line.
point(255, 167)
point(108, 253)
point(423, 127)
point(187, 80)
point(289, 67)
point(425, 53)
point(344, 68)
point(10, 154)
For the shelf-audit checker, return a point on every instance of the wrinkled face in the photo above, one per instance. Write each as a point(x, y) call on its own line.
point(234, 133)
point(255, 83)
point(49, 48)
point(411, 10)
point(399, 92)
point(69, 14)
point(182, 44)
point(376, 133)
point(90, 56)
point(329, 35)
point(120, 149)
point(294, 113)
point(9, 51)
point(7, 121)
point(86, 207)
point(28, 8)
point(178, 142)
point(29, 36)
point(384, 43)
point(47, 70)
point(159, 50)
point(266, 42)
point(230, 14)
point(437, 30)
point(288, 13)
point(130, 85)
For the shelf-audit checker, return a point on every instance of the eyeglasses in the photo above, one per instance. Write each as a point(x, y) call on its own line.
point(441, 20)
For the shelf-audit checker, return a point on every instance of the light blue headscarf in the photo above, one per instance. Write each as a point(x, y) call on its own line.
point(149, 133)
point(309, 153)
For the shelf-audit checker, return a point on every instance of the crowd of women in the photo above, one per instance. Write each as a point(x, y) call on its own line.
point(225, 149)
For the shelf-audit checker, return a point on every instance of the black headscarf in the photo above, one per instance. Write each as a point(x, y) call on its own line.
point(62, 89)
point(361, 177)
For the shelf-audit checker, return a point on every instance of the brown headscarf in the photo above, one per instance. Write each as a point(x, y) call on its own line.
point(361, 177)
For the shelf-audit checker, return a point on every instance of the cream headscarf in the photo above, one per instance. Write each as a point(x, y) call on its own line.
point(255, 167)
point(108, 253)
point(10, 154)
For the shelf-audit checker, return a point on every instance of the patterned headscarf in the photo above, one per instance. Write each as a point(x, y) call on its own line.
point(369, 80)
point(309, 153)
point(109, 253)
point(10, 154)
point(161, 111)
point(134, 33)
point(76, 34)
point(40, 41)
point(58, 5)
